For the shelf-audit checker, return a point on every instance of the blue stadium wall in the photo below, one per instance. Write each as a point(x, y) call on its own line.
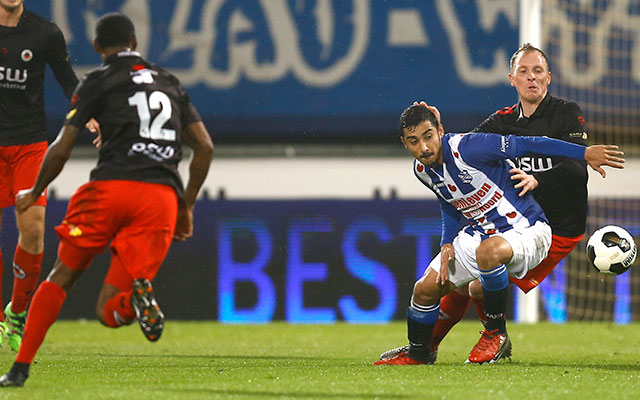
point(323, 70)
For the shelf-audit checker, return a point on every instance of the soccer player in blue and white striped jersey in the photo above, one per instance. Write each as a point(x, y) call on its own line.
point(507, 234)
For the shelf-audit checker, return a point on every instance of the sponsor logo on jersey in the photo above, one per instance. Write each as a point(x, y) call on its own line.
point(465, 176)
point(469, 201)
point(535, 164)
point(582, 135)
point(141, 74)
point(475, 205)
point(504, 143)
point(26, 55)
point(13, 75)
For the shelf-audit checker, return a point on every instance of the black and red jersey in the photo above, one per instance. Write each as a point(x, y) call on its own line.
point(141, 109)
point(562, 189)
point(25, 50)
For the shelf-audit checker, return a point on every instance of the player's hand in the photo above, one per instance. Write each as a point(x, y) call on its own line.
point(433, 109)
point(184, 225)
point(604, 154)
point(527, 182)
point(446, 258)
point(25, 199)
point(94, 127)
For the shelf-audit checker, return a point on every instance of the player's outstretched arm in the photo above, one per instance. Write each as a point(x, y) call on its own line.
point(56, 156)
point(604, 154)
point(194, 135)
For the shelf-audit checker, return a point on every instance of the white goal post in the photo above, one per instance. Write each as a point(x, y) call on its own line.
point(530, 19)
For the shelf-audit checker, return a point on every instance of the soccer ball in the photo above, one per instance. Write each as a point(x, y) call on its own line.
point(611, 250)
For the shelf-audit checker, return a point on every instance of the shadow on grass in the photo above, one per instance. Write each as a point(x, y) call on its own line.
point(226, 357)
point(635, 366)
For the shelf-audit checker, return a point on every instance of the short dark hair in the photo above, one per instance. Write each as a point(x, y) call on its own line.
point(114, 30)
point(523, 49)
point(414, 116)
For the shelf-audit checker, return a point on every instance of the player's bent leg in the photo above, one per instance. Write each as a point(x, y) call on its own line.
point(45, 307)
point(453, 307)
point(477, 298)
point(114, 306)
point(494, 344)
point(422, 315)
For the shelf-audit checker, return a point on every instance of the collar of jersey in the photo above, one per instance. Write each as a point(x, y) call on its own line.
point(540, 110)
point(126, 53)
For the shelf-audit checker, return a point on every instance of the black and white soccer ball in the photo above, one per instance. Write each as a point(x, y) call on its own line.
point(611, 250)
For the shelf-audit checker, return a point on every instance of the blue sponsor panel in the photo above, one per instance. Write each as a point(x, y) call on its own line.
point(312, 70)
point(305, 262)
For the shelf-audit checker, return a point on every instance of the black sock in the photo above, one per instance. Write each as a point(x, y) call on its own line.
point(495, 304)
point(420, 322)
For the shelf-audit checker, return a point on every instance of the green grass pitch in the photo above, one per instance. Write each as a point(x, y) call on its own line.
point(204, 360)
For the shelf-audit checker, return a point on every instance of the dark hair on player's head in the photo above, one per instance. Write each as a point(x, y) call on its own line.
point(526, 48)
point(414, 116)
point(114, 30)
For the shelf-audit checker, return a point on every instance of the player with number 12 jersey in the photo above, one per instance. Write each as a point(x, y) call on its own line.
point(134, 202)
point(141, 109)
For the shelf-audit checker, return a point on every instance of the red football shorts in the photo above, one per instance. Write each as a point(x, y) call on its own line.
point(560, 248)
point(19, 166)
point(138, 219)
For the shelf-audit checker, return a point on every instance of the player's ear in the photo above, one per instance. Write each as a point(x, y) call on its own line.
point(97, 47)
point(133, 42)
point(440, 130)
point(511, 80)
point(403, 142)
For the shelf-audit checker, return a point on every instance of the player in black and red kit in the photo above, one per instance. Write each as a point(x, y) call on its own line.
point(28, 43)
point(134, 200)
point(558, 184)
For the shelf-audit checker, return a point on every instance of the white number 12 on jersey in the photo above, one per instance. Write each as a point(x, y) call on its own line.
point(157, 101)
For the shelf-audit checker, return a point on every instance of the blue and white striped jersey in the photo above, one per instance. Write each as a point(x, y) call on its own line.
point(474, 181)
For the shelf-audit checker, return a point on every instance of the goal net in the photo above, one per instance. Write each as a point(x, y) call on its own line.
point(594, 53)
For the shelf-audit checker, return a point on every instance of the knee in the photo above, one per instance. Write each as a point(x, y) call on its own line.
point(475, 290)
point(490, 254)
point(424, 294)
point(32, 234)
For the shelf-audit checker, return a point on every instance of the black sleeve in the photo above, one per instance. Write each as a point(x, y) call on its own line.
point(189, 112)
point(84, 102)
point(58, 60)
point(489, 125)
point(567, 169)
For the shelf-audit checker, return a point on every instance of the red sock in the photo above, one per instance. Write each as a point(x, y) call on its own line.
point(479, 303)
point(453, 307)
point(46, 306)
point(118, 310)
point(26, 272)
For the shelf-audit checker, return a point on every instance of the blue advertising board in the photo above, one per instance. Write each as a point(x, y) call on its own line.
point(302, 261)
point(313, 69)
